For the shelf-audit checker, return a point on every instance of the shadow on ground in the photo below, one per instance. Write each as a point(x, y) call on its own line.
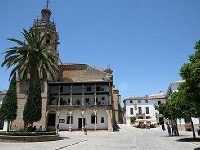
point(188, 140)
point(172, 136)
point(63, 138)
point(198, 148)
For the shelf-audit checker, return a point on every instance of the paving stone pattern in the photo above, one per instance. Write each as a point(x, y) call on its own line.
point(125, 139)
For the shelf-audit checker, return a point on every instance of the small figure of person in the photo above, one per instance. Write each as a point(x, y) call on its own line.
point(34, 129)
point(39, 129)
point(198, 130)
point(168, 129)
point(85, 129)
point(163, 127)
point(29, 128)
point(57, 128)
point(173, 129)
point(176, 130)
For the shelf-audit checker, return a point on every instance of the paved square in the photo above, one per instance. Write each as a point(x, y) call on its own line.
point(126, 138)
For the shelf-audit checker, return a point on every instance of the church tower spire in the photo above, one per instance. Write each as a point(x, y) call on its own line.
point(46, 13)
point(47, 5)
point(48, 27)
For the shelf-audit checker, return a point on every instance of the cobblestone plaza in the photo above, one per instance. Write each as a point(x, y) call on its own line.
point(126, 138)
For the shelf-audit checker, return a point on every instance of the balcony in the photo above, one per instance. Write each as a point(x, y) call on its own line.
point(77, 102)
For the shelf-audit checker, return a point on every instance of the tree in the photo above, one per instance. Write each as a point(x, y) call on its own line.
point(33, 61)
point(37, 112)
point(190, 72)
point(8, 110)
point(173, 108)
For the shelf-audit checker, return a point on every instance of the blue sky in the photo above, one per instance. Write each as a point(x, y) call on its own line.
point(145, 42)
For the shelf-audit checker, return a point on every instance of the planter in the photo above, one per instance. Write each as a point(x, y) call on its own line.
point(38, 138)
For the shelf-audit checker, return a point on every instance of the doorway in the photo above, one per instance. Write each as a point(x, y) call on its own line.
point(51, 119)
point(80, 123)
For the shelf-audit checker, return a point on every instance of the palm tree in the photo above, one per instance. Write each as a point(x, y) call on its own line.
point(32, 60)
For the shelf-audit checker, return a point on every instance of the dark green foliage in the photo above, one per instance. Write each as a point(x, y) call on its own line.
point(28, 113)
point(190, 72)
point(133, 119)
point(190, 89)
point(37, 113)
point(33, 61)
point(37, 105)
point(8, 110)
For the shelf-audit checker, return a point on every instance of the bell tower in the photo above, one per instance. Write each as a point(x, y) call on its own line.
point(48, 27)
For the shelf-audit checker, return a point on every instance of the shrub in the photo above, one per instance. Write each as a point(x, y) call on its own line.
point(133, 119)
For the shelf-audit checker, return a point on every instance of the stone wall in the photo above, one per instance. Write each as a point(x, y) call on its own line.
point(18, 123)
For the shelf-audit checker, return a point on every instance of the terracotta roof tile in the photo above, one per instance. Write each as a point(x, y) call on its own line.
point(83, 73)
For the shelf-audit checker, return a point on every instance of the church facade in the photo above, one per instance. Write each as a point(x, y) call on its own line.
point(80, 96)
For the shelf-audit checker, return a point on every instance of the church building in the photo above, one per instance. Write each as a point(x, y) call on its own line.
point(80, 96)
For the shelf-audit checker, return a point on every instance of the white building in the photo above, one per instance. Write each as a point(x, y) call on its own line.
point(143, 108)
point(83, 96)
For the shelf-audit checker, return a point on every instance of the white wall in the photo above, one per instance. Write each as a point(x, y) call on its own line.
point(182, 121)
point(87, 115)
point(151, 104)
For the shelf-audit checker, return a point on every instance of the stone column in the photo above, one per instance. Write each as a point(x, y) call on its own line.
point(59, 95)
point(57, 121)
point(45, 127)
point(110, 94)
point(82, 114)
point(95, 94)
point(70, 121)
point(95, 122)
point(82, 98)
point(110, 120)
point(71, 95)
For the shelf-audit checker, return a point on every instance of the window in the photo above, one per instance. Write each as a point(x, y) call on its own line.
point(102, 119)
point(146, 101)
point(61, 120)
point(98, 88)
point(159, 102)
point(131, 101)
point(140, 110)
point(93, 119)
point(68, 100)
point(139, 101)
point(103, 98)
point(131, 111)
point(62, 101)
point(78, 102)
point(68, 119)
point(61, 89)
point(147, 110)
point(48, 39)
point(89, 88)
point(87, 100)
